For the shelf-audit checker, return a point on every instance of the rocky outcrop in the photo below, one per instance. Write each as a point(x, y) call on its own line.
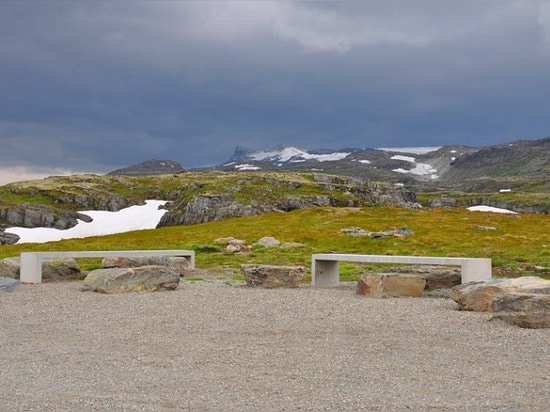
point(202, 209)
point(33, 215)
point(272, 276)
point(150, 167)
point(391, 285)
point(142, 279)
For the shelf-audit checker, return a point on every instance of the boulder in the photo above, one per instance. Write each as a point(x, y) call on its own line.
point(437, 277)
point(479, 296)
point(268, 241)
point(52, 269)
point(8, 284)
point(391, 284)
point(138, 279)
point(60, 269)
point(527, 310)
point(232, 245)
point(177, 263)
point(272, 276)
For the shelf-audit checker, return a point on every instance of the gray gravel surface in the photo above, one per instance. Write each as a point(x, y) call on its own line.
point(209, 346)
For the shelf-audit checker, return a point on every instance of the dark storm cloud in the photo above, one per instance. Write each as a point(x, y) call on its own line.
point(90, 86)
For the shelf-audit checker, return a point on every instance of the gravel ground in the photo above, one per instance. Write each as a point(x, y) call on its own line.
point(209, 346)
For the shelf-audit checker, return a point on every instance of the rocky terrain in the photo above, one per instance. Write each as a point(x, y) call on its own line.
point(512, 176)
point(150, 167)
point(192, 197)
point(512, 165)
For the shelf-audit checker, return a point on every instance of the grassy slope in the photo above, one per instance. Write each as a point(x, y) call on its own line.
point(520, 244)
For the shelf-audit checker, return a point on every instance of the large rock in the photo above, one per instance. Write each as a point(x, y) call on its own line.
point(60, 269)
point(391, 284)
point(479, 296)
point(527, 310)
point(437, 277)
point(8, 284)
point(52, 269)
point(177, 263)
point(272, 276)
point(140, 279)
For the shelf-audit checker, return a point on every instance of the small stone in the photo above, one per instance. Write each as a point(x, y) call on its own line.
point(268, 241)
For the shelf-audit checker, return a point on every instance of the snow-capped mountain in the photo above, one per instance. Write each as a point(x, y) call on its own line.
point(398, 162)
point(454, 164)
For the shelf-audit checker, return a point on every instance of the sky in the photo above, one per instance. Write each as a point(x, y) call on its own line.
point(93, 86)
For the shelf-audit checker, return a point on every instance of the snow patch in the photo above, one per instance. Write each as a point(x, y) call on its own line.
point(296, 155)
point(420, 169)
point(246, 166)
point(483, 208)
point(104, 223)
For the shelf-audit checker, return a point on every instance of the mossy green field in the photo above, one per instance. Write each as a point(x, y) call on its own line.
point(520, 245)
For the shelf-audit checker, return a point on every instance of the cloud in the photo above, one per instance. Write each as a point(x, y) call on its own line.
point(21, 173)
point(100, 85)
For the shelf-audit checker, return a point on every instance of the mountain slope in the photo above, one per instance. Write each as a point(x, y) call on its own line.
point(452, 166)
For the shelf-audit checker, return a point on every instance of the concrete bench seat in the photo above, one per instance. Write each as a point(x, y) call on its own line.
point(31, 262)
point(325, 267)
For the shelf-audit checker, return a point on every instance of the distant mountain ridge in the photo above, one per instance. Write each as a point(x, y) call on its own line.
point(467, 168)
point(150, 167)
point(452, 164)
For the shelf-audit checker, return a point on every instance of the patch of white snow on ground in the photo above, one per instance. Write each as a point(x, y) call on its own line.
point(404, 158)
point(420, 169)
point(483, 208)
point(104, 223)
point(247, 166)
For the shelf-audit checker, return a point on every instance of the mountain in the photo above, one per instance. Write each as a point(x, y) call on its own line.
point(150, 167)
point(455, 166)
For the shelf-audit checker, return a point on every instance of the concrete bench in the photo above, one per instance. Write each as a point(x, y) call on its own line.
point(325, 268)
point(31, 262)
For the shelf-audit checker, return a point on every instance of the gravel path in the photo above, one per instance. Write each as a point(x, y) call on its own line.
point(209, 346)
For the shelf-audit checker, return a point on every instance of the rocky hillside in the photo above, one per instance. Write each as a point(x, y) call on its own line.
point(515, 164)
point(150, 167)
point(193, 197)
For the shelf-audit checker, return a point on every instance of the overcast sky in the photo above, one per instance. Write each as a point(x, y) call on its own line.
point(91, 86)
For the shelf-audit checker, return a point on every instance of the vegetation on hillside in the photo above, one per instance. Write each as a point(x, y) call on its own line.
point(520, 244)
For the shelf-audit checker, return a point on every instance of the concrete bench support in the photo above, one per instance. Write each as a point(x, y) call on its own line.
point(325, 268)
point(31, 262)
